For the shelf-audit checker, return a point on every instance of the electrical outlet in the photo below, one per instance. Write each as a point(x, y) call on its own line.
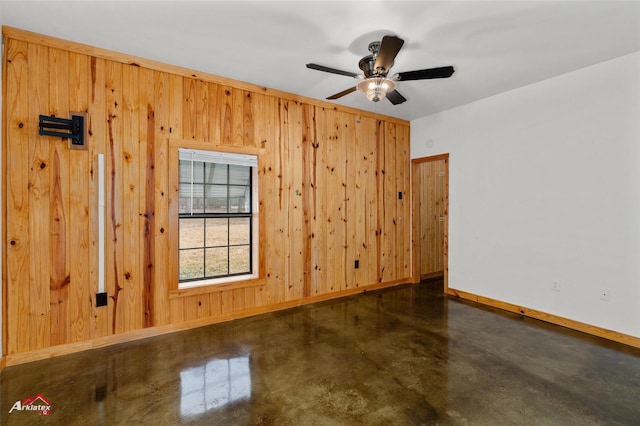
point(604, 294)
point(555, 285)
point(101, 299)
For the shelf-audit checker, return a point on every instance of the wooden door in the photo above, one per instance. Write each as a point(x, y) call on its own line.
point(430, 208)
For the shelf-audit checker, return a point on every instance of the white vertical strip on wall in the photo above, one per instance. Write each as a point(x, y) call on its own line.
point(100, 223)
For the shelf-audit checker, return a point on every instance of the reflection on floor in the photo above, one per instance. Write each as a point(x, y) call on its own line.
point(401, 356)
point(213, 385)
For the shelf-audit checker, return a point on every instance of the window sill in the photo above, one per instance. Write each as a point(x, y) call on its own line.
point(211, 288)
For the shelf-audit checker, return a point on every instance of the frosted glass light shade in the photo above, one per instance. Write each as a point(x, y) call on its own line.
point(376, 88)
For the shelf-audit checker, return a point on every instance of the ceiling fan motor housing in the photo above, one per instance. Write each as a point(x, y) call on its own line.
point(367, 64)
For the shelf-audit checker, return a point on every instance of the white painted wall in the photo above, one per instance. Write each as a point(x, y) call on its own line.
point(544, 185)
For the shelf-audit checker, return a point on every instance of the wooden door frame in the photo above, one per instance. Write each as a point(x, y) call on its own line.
point(415, 208)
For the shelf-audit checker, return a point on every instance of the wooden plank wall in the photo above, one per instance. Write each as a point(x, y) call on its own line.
point(329, 184)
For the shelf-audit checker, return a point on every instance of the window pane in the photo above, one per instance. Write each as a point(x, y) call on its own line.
point(191, 264)
point(239, 175)
point(185, 190)
point(198, 172)
point(191, 233)
point(217, 261)
point(185, 198)
point(240, 259)
point(198, 199)
point(185, 206)
point(212, 203)
point(217, 232)
point(239, 230)
point(218, 195)
point(239, 200)
point(217, 173)
point(185, 171)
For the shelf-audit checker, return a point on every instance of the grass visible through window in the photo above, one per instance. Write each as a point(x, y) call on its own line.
point(203, 247)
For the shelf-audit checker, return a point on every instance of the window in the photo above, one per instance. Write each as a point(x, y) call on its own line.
point(216, 216)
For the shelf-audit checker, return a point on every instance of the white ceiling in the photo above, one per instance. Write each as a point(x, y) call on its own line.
point(495, 46)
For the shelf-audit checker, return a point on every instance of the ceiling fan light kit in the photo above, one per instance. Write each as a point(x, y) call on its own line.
point(375, 84)
point(376, 88)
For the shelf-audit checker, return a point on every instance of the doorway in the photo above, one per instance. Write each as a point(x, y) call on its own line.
point(430, 190)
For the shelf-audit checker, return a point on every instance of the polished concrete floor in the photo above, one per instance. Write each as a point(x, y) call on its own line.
point(401, 356)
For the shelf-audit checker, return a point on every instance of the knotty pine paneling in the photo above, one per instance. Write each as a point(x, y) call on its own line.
point(79, 237)
point(17, 269)
point(146, 195)
point(158, 282)
point(39, 267)
point(403, 206)
point(59, 225)
point(97, 126)
point(114, 238)
point(369, 215)
point(328, 195)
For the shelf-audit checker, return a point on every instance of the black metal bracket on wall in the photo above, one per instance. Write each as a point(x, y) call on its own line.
point(67, 128)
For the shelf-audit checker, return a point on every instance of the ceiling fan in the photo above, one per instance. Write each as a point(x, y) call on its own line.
point(376, 84)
